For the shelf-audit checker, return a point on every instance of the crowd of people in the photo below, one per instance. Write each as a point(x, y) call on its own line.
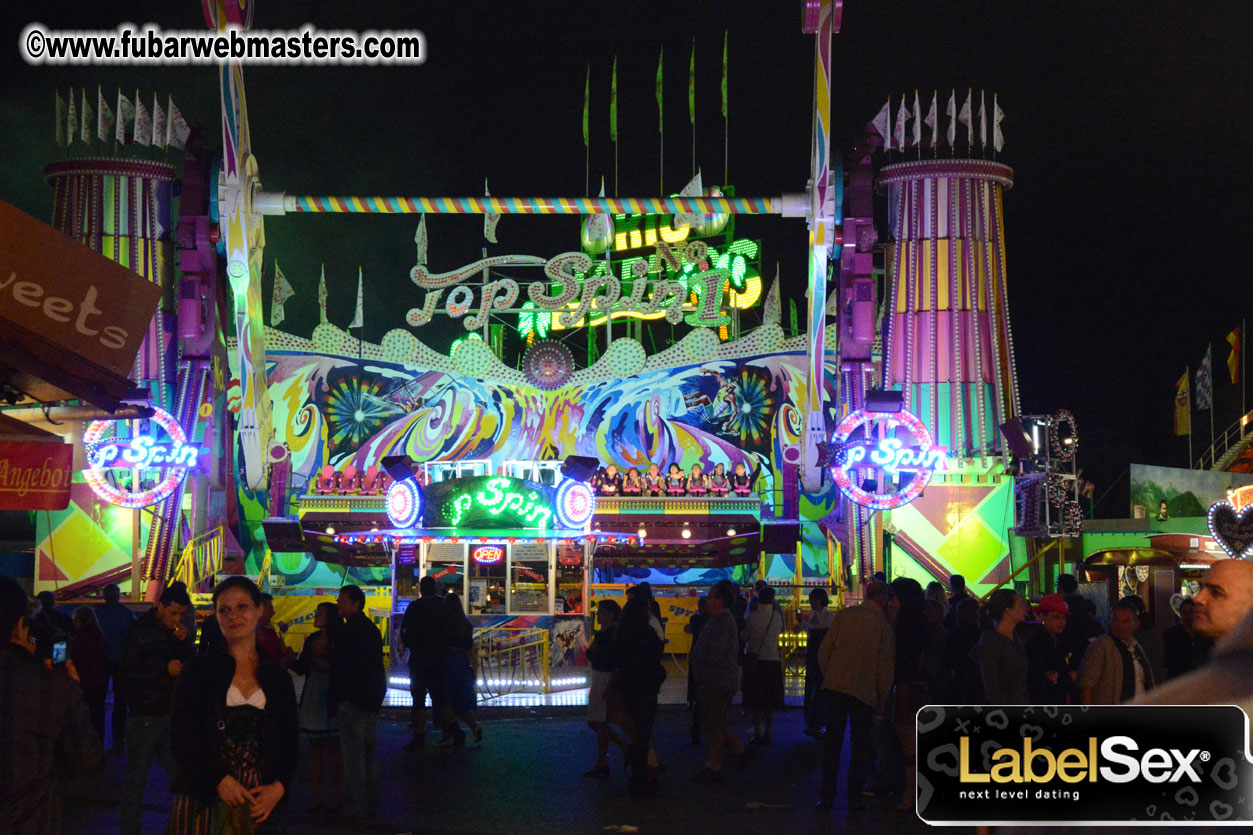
point(607, 481)
point(223, 719)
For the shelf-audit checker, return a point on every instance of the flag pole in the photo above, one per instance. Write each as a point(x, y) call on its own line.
point(1187, 373)
point(1244, 409)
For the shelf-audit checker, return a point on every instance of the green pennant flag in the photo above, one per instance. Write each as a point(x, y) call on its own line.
point(691, 86)
point(661, 113)
point(613, 103)
point(724, 74)
point(587, 88)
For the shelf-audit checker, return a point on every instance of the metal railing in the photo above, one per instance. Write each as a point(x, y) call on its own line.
point(510, 659)
point(201, 559)
point(1231, 440)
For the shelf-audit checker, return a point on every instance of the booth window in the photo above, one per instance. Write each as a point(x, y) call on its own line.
point(446, 562)
point(528, 579)
point(570, 579)
point(486, 589)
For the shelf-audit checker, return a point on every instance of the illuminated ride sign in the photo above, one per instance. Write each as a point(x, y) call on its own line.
point(488, 502)
point(404, 503)
point(884, 460)
point(139, 453)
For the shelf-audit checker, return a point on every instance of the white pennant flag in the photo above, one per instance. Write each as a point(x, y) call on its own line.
point(143, 123)
point(87, 114)
point(902, 116)
point(964, 118)
point(882, 123)
point(490, 219)
point(421, 241)
point(282, 292)
point(61, 120)
point(104, 118)
point(917, 122)
point(358, 318)
point(71, 121)
point(951, 112)
point(322, 296)
point(176, 130)
point(998, 140)
point(694, 188)
point(932, 120)
point(125, 115)
point(983, 124)
point(158, 123)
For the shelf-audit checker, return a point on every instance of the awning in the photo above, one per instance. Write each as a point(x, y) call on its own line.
point(71, 320)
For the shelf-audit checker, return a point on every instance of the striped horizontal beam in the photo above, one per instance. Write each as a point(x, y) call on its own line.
point(532, 205)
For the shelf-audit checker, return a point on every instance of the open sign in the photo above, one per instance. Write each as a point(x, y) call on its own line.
point(487, 554)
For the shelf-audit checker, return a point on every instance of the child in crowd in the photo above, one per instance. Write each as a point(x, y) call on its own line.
point(676, 484)
point(718, 483)
point(654, 484)
point(633, 485)
point(740, 482)
point(697, 485)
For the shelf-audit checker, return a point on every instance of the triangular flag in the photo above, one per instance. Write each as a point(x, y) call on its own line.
point(104, 118)
point(951, 112)
point(143, 124)
point(282, 292)
point(883, 123)
point(694, 188)
point(983, 124)
point(613, 103)
point(998, 139)
point(71, 121)
point(176, 130)
point(125, 115)
point(902, 116)
point(158, 123)
point(724, 73)
point(490, 219)
point(691, 86)
point(420, 240)
point(358, 317)
point(87, 125)
point(917, 122)
point(322, 296)
point(933, 119)
point(964, 118)
point(60, 120)
point(772, 308)
point(587, 90)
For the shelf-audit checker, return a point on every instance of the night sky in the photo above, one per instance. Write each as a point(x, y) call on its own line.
point(1127, 126)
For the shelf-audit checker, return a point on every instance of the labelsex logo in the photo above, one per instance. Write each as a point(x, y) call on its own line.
point(1072, 765)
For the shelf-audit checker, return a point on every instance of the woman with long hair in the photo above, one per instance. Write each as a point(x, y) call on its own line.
point(233, 725)
point(460, 697)
point(909, 690)
point(317, 721)
point(636, 680)
point(601, 656)
point(90, 653)
point(1002, 658)
point(763, 666)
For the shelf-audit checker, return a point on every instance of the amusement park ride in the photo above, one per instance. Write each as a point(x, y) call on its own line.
point(876, 433)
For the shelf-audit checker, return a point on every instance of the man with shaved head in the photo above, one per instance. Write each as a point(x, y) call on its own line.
point(1223, 613)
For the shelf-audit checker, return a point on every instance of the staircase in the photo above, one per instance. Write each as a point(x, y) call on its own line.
point(1228, 446)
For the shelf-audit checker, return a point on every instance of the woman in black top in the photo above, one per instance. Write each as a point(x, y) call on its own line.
point(233, 725)
point(637, 679)
point(602, 657)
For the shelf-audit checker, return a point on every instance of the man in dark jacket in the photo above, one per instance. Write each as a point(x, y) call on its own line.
point(424, 630)
point(153, 653)
point(43, 720)
point(49, 625)
point(1051, 668)
point(358, 685)
point(115, 621)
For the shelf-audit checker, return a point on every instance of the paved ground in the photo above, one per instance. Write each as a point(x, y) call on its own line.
point(527, 777)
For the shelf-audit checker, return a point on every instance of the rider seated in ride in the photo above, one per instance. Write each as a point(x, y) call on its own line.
point(633, 485)
point(654, 484)
point(741, 484)
point(676, 484)
point(611, 483)
point(697, 484)
point(718, 483)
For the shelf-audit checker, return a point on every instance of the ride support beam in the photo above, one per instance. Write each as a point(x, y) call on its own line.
point(278, 203)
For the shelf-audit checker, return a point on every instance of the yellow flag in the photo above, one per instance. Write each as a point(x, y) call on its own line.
point(1183, 411)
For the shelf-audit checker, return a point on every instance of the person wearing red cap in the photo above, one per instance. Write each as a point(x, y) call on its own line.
point(1051, 668)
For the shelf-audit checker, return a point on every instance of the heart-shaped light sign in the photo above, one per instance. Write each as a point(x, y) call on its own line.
point(1232, 529)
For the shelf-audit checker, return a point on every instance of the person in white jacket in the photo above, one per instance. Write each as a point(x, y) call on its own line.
point(763, 667)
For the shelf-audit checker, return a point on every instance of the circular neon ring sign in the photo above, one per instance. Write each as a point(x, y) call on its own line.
point(95, 474)
point(860, 448)
point(404, 503)
point(575, 503)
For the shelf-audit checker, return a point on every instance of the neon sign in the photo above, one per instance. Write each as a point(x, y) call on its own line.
point(487, 554)
point(140, 453)
point(489, 501)
point(884, 460)
point(575, 503)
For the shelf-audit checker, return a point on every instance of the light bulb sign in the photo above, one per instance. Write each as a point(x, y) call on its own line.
point(173, 456)
point(489, 502)
point(884, 459)
point(487, 554)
